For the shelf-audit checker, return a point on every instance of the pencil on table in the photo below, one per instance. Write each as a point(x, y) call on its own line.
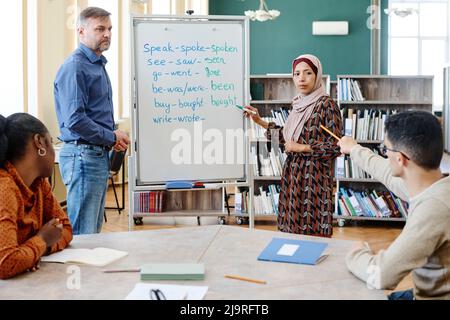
point(245, 279)
point(121, 270)
point(331, 133)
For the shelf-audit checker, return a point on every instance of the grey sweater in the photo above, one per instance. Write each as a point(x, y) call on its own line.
point(423, 246)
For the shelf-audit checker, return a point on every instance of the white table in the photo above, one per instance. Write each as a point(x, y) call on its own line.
point(223, 250)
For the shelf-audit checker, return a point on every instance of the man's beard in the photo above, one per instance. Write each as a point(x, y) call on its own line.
point(103, 46)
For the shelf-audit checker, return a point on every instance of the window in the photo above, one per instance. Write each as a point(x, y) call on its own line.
point(12, 58)
point(166, 7)
point(161, 6)
point(418, 42)
point(199, 7)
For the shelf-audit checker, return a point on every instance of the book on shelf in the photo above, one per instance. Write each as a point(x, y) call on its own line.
point(270, 163)
point(258, 132)
point(348, 127)
point(245, 201)
point(241, 200)
point(278, 116)
point(340, 167)
point(349, 90)
point(366, 124)
point(349, 122)
point(346, 168)
point(266, 203)
point(392, 204)
point(254, 160)
point(377, 204)
point(238, 202)
point(149, 202)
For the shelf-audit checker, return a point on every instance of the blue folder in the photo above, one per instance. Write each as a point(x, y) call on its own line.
point(308, 252)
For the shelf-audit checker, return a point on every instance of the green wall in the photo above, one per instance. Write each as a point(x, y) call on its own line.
point(274, 44)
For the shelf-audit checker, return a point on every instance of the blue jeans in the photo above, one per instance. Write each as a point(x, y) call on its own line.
point(85, 172)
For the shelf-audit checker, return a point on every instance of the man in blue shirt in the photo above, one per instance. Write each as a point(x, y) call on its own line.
point(84, 106)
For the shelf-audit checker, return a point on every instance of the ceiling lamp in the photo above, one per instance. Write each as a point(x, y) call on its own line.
point(401, 12)
point(263, 14)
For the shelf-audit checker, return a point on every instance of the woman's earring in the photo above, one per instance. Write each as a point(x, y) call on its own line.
point(42, 152)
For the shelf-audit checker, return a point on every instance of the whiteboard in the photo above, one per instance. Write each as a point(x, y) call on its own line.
point(190, 74)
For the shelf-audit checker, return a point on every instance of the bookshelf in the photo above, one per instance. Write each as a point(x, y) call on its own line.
point(178, 203)
point(365, 101)
point(276, 87)
point(270, 93)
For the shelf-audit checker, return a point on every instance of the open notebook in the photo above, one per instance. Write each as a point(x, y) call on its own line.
point(98, 257)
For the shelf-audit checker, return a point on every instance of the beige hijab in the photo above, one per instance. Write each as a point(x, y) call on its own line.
point(303, 106)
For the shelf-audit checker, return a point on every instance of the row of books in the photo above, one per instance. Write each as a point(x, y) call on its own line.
point(347, 168)
point(278, 115)
point(379, 204)
point(241, 201)
point(149, 202)
point(270, 164)
point(259, 132)
point(349, 90)
point(366, 124)
point(266, 203)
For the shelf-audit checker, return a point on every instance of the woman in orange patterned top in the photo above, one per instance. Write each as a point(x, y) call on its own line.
point(306, 205)
point(32, 223)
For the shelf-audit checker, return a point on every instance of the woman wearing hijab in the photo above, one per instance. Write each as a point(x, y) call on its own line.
point(32, 223)
point(306, 204)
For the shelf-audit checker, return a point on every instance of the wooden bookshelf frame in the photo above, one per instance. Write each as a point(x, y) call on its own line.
point(382, 92)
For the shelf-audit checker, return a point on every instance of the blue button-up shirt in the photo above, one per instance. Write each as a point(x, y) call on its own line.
point(83, 99)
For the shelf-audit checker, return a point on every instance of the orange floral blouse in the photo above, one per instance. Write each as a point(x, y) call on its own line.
point(23, 212)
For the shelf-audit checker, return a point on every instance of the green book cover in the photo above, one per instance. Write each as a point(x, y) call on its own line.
point(173, 271)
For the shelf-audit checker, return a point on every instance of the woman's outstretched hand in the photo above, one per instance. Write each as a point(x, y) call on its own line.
point(254, 116)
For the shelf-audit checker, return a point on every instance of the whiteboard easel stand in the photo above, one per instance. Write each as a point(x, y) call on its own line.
point(132, 188)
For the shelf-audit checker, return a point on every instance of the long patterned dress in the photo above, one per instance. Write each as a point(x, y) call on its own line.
point(306, 203)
